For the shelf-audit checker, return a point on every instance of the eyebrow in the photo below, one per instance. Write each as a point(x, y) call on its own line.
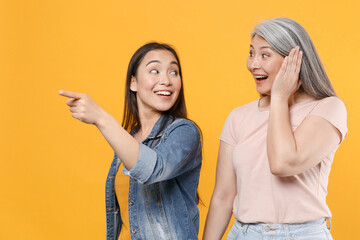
point(157, 61)
point(262, 47)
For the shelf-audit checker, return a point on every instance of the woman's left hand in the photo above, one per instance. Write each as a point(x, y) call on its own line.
point(287, 82)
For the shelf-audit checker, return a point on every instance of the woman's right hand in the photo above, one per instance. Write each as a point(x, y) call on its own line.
point(83, 107)
point(86, 110)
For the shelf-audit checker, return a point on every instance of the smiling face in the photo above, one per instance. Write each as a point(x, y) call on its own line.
point(157, 82)
point(263, 63)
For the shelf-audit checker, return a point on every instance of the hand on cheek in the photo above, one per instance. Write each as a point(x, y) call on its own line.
point(286, 82)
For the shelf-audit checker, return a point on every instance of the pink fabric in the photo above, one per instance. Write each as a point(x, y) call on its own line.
point(262, 196)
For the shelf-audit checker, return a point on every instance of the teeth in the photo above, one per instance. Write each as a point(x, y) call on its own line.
point(165, 93)
point(260, 77)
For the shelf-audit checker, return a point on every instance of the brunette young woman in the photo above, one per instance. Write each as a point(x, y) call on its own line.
point(160, 149)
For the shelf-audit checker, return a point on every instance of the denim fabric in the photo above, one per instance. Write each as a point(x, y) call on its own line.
point(163, 184)
point(315, 230)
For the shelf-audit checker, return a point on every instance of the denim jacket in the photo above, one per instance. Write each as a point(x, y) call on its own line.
point(163, 185)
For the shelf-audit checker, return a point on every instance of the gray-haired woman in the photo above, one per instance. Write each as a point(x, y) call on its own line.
point(276, 152)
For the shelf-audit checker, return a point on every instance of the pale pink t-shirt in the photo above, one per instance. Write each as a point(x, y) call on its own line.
point(262, 196)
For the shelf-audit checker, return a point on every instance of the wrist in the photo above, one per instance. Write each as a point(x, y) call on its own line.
point(103, 120)
point(276, 98)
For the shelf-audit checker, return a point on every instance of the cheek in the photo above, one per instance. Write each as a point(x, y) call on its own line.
point(177, 84)
point(248, 64)
point(277, 65)
point(146, 83)
point(276, 69)
point(271, 68)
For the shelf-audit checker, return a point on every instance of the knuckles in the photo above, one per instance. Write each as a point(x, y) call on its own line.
point(81, 108)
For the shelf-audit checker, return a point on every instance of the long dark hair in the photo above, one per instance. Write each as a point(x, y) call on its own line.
point(131, 114)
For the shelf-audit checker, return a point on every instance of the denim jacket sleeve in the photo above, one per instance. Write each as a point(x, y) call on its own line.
point(179, 151)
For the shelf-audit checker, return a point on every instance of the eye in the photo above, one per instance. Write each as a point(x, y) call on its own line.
point(265, 55)
point(154, 71)
point(174, 73)
point(251, 54)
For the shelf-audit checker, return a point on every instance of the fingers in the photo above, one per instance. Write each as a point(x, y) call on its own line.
point(72, 102)
point(74, 110)
point(78, 113)
point(69, 94)
point(299, 60)
point(82, 107)
point(284, 65)
point(77, 116)
point(295, 57)
point(291, 60)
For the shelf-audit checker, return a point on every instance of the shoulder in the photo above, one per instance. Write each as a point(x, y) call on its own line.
point(178, 122)
point(236, 120)
point(183, 126)
point(239, 114)
point(332, 100)
point(334, 111)
point(251, 106)
point(330, 105)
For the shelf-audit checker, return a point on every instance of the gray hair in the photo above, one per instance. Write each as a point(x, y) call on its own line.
point(283, 34)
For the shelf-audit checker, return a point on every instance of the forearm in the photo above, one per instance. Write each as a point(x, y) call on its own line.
point(218, 218)
point(281, 144)
point(86, 110)
point(124, 145)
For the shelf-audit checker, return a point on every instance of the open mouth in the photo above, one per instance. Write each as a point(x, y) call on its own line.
point(260, 77)
point(163, 93)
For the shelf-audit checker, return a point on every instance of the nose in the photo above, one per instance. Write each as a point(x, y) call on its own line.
point(253, 63)
point(164, 80)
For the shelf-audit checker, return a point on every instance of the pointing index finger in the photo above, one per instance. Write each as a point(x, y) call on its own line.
point(70, 94)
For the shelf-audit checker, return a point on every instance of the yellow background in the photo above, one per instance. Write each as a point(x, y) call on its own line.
point(53, 168)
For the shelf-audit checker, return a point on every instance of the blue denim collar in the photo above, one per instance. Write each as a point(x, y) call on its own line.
point(155, 129)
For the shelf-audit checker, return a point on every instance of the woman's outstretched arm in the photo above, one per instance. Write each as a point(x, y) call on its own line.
point(86, 110)
point(221, 204)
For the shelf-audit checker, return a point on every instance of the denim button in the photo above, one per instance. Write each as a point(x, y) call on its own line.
point(133, 231)
point(267, 229)
point(131, 202)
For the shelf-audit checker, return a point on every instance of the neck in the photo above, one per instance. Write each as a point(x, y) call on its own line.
point(147, 122)
point(298, 97)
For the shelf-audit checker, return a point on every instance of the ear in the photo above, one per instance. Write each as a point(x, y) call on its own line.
point(133, 84)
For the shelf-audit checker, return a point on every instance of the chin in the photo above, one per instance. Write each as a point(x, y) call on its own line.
point(263, 93)
point(164, 108)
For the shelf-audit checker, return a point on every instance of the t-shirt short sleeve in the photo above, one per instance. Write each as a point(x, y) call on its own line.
point(334, 111)
point(228, 133)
